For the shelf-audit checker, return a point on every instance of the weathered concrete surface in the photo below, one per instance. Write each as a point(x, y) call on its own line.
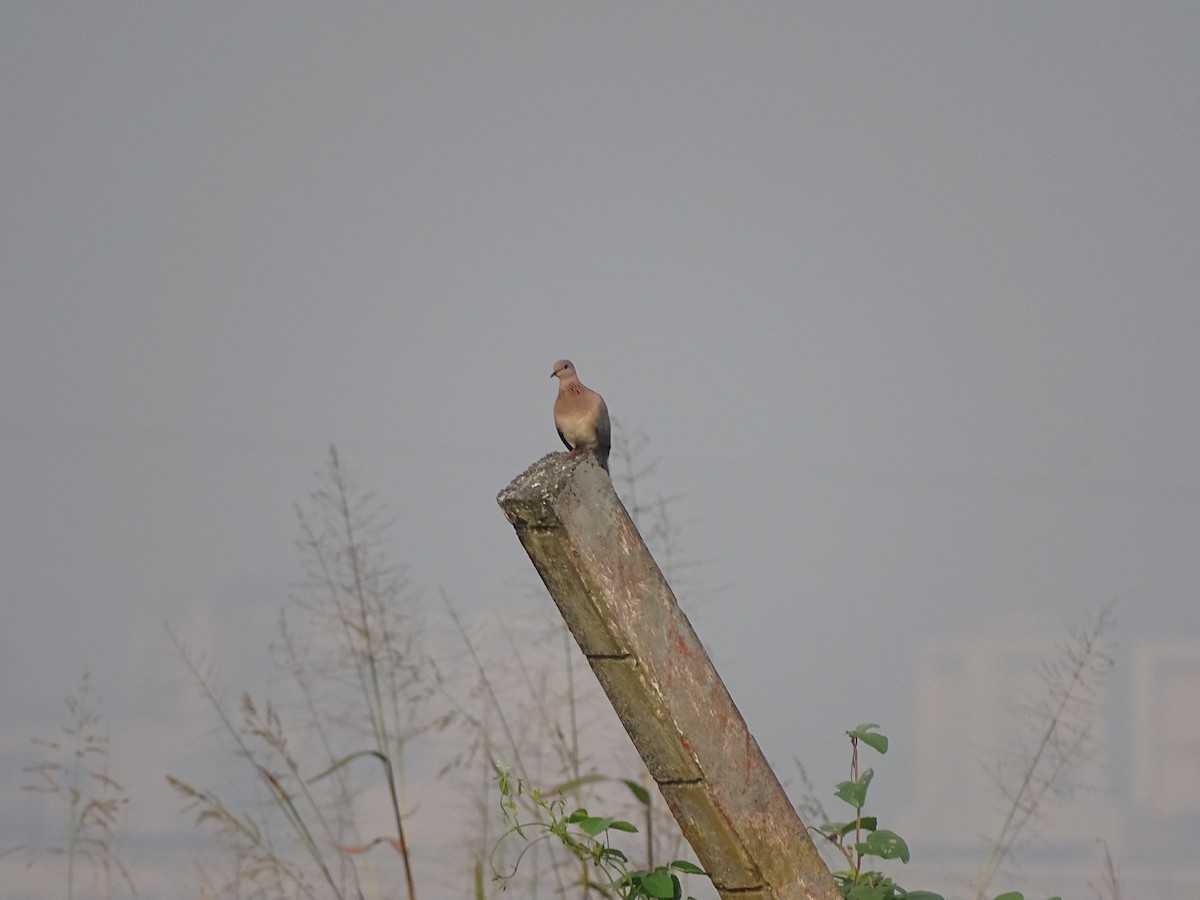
point(662, 684)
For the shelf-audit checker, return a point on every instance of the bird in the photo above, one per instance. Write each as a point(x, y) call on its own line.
point(580, 415)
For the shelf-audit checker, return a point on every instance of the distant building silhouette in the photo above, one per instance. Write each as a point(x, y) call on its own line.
point(1139, 791)
point(1166, 725)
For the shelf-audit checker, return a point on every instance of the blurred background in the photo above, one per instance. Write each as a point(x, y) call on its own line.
point(898, 304)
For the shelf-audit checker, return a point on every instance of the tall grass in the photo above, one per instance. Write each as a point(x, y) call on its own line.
point(364, 678)
point(1057, 738)
point(350, 647)
point(76, 773)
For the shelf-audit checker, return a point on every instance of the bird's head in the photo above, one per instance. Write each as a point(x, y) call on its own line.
point(563, 369)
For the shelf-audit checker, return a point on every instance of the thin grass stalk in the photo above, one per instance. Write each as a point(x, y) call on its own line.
point(366, 657)
point(571, 705)
point(573, 755)
point(1028, 797)
point(486, 683)
point(75, 825)
point(567, 748)
point(300, 675)
point(493, 702)
point(276, 791)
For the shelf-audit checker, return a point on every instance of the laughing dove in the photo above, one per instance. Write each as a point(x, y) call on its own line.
point(580, 415)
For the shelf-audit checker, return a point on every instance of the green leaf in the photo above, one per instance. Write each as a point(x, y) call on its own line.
point(1010, 895)
point(659, 884)
point(578, 816)
point(871, 892)
point(868, 735)
point(682, 865)
point(855, 792)
point(841, 829)
point(575, 784)
point(871, 886)
point(884, 844)
point(594, 825)
point(349, 758)
point(642, 795)
point(618, 825)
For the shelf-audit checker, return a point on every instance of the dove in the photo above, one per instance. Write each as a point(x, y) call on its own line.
point(580, 415)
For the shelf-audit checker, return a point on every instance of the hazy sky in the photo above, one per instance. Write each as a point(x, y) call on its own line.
point(905, 297)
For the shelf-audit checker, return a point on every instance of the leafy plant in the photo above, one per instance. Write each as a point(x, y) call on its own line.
point(862, 837)
point(589, 838)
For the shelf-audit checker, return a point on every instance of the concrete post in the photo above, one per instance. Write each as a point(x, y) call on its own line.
point(661, 683)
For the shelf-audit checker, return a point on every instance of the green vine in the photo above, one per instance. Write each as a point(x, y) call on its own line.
point(588, 837)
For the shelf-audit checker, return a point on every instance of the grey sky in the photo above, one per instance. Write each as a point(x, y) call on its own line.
point(903, 295)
